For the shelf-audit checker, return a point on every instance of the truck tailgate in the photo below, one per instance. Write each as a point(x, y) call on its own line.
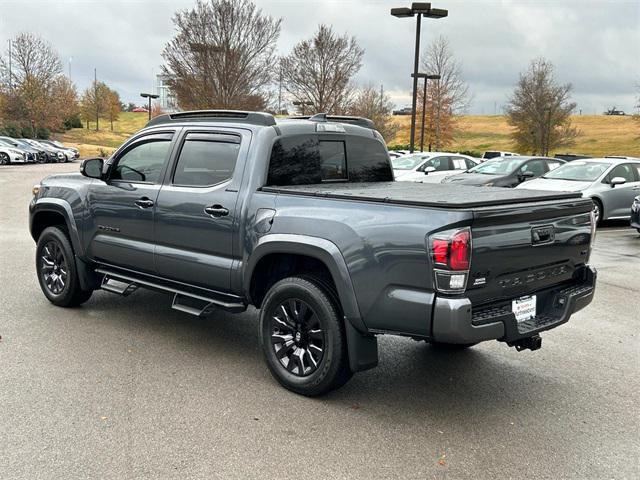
point(520, 249)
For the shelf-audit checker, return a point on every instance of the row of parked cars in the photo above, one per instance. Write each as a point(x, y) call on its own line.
point(613, 183)
point(28, 150)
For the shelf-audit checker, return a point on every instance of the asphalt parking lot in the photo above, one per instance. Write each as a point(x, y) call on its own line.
point(126, 388)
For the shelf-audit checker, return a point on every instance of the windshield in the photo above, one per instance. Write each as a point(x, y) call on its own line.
point(407, 162)
point(579, 171)
point(502, 166)
point(4, 143)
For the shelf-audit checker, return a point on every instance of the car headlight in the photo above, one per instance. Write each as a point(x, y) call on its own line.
point(35, 190)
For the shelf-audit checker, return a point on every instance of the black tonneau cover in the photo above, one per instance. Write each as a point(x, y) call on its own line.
point(424, 194)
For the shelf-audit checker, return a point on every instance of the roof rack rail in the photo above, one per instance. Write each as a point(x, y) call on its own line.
point(323, 117)
point(236, 116)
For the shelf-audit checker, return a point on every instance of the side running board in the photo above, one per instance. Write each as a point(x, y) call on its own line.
point(183, 301)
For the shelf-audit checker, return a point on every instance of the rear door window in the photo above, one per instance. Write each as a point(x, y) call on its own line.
point(206, 159)
point(459, 163)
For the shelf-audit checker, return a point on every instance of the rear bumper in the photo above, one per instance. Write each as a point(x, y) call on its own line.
point(456, 320)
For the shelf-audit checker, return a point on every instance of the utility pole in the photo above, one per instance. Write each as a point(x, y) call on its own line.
point(95, 96)
point(280, 90)
point(10, 82)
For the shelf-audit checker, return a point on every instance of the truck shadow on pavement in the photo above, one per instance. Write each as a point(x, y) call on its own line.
point(412, 377)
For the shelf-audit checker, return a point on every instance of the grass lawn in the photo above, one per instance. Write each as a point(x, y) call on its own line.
point(599, 134)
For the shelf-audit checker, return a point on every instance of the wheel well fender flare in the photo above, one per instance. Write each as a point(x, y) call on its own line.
point(62, 208)
point(318, 248)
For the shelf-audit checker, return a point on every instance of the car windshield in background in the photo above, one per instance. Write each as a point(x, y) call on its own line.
point(407, 162)
point(503, 166)
point(579, 171)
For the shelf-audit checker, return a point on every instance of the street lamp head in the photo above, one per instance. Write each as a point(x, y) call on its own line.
point(420, 7)
point(437, 13)
point(401, 12)
point(149, 95)
point(433, 77)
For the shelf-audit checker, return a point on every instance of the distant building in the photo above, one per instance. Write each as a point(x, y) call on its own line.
point(166, 100)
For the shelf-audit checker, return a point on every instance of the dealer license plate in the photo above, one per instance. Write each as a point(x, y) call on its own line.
point(524, 308)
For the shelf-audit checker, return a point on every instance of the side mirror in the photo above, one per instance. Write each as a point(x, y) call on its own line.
point(525, 175)
point(617, 181)
point(92, 167)
point(429, 169)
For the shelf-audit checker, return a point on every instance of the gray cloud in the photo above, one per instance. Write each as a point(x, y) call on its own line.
point(594, 45)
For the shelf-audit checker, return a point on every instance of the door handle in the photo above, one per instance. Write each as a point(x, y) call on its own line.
point(216, 211)
point(144, 202)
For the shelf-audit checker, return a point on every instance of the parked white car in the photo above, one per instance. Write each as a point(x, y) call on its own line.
point(495, 154)
point(12, 155)
point(430, 167)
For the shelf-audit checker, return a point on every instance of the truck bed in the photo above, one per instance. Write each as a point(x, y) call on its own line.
point(424, 194)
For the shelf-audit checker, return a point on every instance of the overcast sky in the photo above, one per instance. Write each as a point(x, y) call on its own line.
point(595, 45)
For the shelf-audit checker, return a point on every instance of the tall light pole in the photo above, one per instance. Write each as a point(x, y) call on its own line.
point(149, 96)
point(424, 103)
point(419, 10)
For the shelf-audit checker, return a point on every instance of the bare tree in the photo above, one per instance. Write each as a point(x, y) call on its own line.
point(540, 110)
point(222, 55)
point(320, 70)
point(446, 97)
point(377, 106)
point(33, 84)
point(31, 58)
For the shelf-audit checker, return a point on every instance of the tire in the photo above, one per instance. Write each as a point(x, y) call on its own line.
point(310, 323)
point(4, 159)
point(56, 269)
point(597, 210)
point(451, 347)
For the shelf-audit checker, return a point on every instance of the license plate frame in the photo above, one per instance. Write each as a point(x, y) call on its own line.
point(524, 308)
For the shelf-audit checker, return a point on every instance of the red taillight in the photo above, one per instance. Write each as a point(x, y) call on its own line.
point(452, 249)
point(460, 251)
point(440, 250)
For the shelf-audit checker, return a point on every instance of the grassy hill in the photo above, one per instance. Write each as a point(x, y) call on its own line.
point(600, 135)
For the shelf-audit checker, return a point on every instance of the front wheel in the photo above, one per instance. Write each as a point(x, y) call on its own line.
point(597, 211)
point(56, 268)
point(4, 159)
point(302, 337)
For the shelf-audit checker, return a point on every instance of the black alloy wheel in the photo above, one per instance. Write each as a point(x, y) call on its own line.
point(297, 337)
point(56, 269)
point(53, 268)
point(302, 336)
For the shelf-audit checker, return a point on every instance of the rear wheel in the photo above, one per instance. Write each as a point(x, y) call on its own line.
point(56, 268)
point(4, 159)
point(303, 338)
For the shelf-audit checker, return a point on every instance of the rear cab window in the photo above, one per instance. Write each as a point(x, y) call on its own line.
point(312, 159)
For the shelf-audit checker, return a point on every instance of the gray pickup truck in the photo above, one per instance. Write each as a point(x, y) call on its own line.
point(301, 219)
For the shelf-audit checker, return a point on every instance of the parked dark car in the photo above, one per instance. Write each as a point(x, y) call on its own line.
point(302, 219)
point(505, 171)
point(71, 153)
point(635, 213)
point(54, 154)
